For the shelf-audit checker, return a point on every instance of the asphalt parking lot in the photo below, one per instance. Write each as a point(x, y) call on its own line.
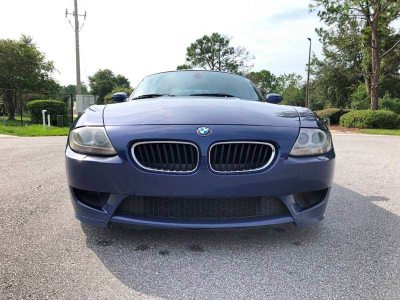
point(353, 253)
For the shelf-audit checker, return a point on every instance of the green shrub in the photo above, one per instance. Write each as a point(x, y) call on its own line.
point(371, 119)
point(333, 114)
point(387, 103)
point(360, 99)
point(53, 107)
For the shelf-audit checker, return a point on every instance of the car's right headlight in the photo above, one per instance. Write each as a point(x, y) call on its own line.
point(91, 141)
point(312, 141)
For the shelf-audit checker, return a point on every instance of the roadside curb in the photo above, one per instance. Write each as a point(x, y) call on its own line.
point(344, 132)
point(6, 136)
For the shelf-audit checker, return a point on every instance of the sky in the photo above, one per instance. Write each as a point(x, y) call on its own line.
point(138, 38)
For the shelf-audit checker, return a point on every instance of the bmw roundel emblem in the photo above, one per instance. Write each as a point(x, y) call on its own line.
point(203, 131)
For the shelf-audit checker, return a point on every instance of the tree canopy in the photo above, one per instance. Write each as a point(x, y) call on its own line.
point(290, 86)
point(215, 52)
point(359, 38)
point(265, 81)
point(71, 89)
point(23, 67)
point(360, 62)
point(104, 81)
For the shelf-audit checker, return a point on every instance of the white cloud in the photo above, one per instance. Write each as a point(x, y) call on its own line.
point(137, 38)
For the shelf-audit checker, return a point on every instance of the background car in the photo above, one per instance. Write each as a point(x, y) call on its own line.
point(199, 149)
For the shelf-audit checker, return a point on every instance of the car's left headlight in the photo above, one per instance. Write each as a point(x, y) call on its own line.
point(311, 142)
point(91, 141)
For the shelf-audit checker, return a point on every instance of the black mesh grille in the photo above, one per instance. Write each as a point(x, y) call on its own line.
point(167, 156)
point(240, 156)
point(202, 208)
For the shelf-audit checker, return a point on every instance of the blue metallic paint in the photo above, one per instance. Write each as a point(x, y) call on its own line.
point(274, 98)
point(120, 176)
point(119, 97)
point(183, 110)
point(178, 119)
point(93, 116)
point(309, 119)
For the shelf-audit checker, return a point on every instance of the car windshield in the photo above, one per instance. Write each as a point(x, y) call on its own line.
point(196, 83)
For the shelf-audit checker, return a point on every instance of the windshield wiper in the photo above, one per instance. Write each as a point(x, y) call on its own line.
point(213, 95)
point(152, 96)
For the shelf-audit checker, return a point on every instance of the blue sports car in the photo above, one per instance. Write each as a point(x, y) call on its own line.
point(199, 149)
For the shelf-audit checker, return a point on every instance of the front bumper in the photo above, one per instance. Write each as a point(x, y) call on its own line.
point(120, 177)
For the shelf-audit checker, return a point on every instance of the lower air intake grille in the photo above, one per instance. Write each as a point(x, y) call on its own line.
point(166, 156)
point(228, 157)
point(202, 208)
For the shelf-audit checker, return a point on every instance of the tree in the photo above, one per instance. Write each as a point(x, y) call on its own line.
point(183, 67)
point(104, 81)
point(292, 88)
point(373, 18)
point(338, 74)
point(71, 89)
point(265, 81)
point(108, 99)
point(360, 98)
point(23, 67)
point(389, 79)
point(215, 53)
point(333, 84)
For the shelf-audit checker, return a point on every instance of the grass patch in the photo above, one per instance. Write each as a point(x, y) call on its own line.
point(33, 130)
point(381, 131)
point(26, 120)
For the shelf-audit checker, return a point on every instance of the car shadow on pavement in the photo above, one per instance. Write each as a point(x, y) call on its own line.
point(354, 246)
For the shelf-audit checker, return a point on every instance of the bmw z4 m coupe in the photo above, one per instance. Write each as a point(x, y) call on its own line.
point(199, 149)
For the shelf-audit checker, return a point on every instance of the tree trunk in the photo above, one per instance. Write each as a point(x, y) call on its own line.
point(219, 57)
point(367, 80)
point(374, 93)
point(10, 104)
point(375, 67)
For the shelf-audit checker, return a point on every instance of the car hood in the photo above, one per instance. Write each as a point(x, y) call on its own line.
point(199, 110)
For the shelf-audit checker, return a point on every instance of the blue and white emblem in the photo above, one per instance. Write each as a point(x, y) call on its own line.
point(203, 131)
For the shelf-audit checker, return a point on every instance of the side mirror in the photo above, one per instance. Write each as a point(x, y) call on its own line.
point(119, 97)
point(274, 98)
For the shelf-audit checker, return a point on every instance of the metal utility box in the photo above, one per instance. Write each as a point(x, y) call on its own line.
point(84, 101)
point(60, 121)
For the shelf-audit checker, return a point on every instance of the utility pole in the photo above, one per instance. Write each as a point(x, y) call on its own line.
point(308, 77)
point(77, 29)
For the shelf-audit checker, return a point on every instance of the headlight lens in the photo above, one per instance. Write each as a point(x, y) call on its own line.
point(311, 142)
point(91, 140)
